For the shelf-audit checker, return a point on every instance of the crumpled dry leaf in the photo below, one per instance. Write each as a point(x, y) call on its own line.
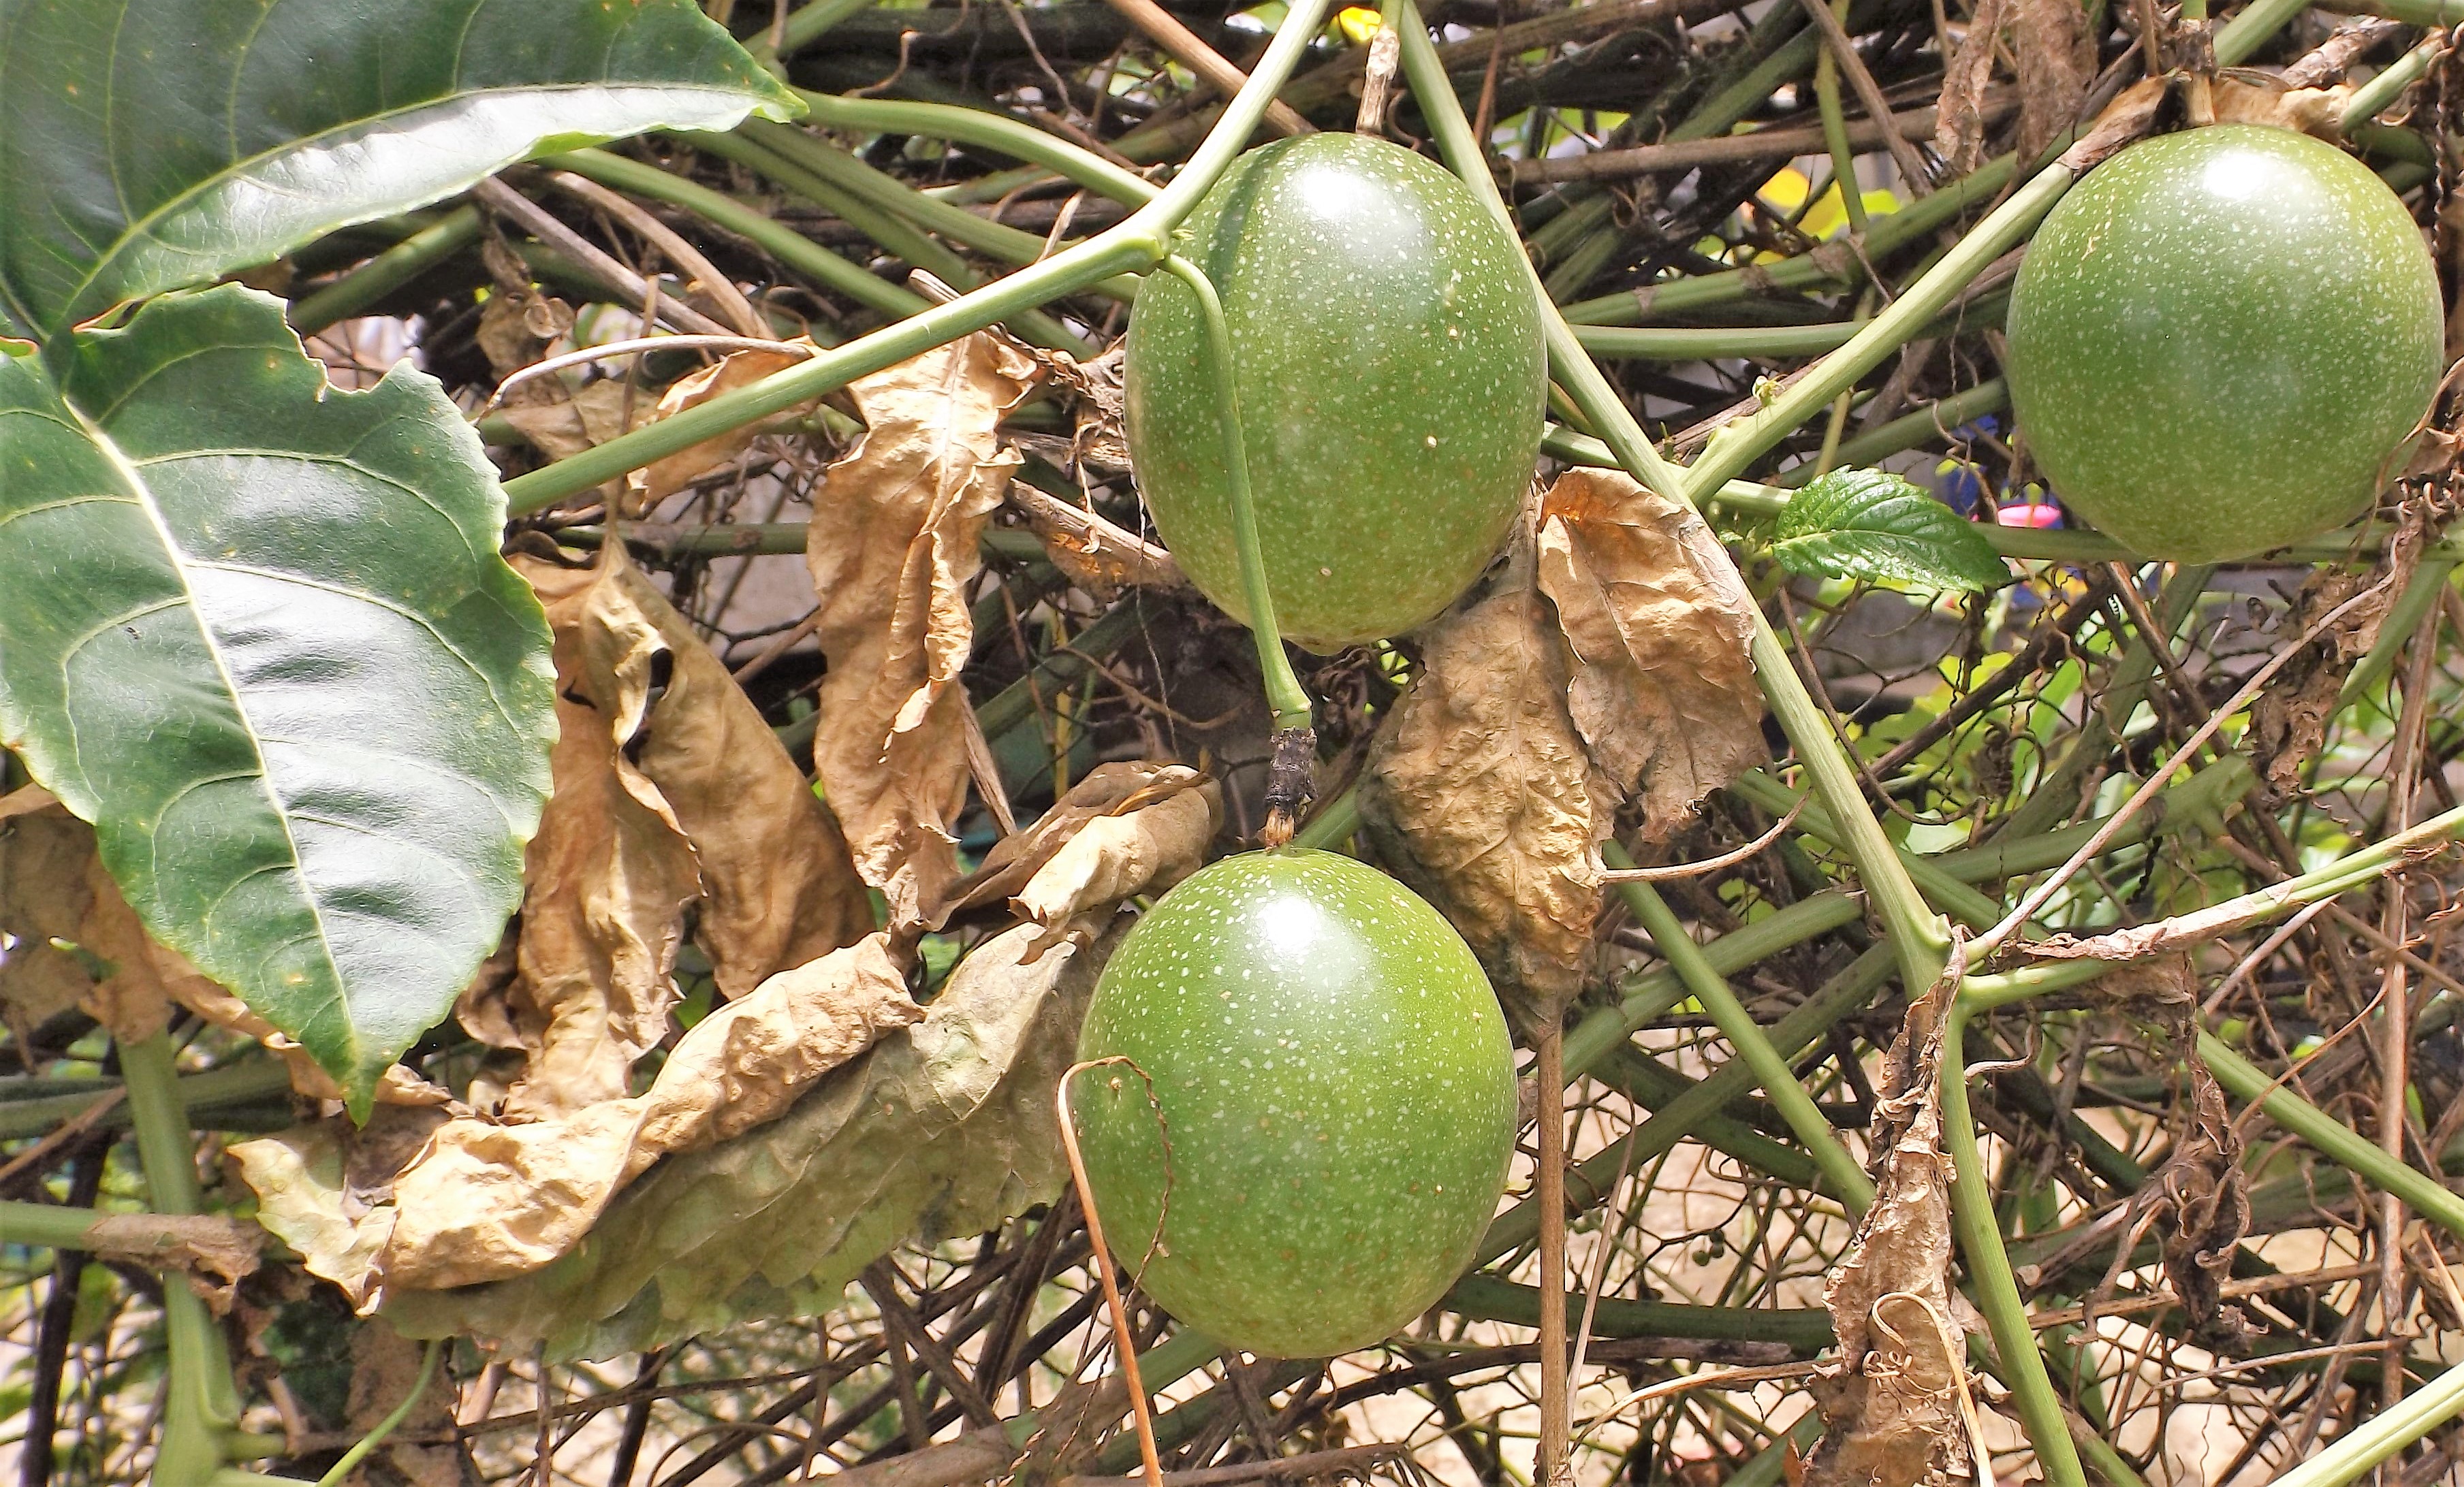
point(2269, 102)
point(1959, 112)
point(1663, 687)
point(482, 1201)
point(668, 788)
point(327, 1188)
point(647, 486)
point(1898, 1405)
point(1124, 828)
point(892, 548)
point(2288, 723)
point(2202, 1181)
point(54, 887)
point(485, 1201)
point(564, 423)
point(1479, 794)
point(2056, 64)
point(944, 1129)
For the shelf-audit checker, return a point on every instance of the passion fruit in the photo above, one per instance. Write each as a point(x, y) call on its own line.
point(2221, 339)
point(1307, 1127)
point(1392, 376)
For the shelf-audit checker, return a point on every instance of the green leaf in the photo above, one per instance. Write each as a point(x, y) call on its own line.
point(255, 629)
point(1872, 524)
point(155, 143)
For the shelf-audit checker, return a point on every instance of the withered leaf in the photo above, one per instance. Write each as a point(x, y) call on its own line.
point(944, 1129)
point(484, 1202)
point(1897, 1408)
point(1478, 794)
point(892, 549)
point(213, 1252)
point(479, 1201)
point(561, 425)
point(1097, 556)
point(2267, 101)
point(1124, 828)
point(1663, 687)
point(2056, 62)
point(647, 486)
point(1959, 117)
point(669, 790)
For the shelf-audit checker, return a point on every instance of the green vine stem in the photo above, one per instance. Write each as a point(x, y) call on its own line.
point(1835, 135)
point(341, 1471)
point(980, 127)
point(1989, 1271)
point(1134, 246)
point(783, 242)
point(1295, 744)
point(202, 1402)
point(388, 271)
point(2332, 1138)
point(1840, 1171)
point(2382, 1436)
point(1918, 935)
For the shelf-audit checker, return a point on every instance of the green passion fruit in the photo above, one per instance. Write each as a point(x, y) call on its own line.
point(1392, 379)
point(1312, 1127)
point(2220, 340)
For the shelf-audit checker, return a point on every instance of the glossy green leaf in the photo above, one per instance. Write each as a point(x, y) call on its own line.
point(154, 143)
point(256, 630)
point(1872, 524)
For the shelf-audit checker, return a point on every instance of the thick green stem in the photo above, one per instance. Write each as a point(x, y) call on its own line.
point(386, 271)
point(1840, 1171)
point(2340, 1143)
point(1989, 1271)
point(2383, 1435)
point(1835, 135)
point(1135, 244)
point(1284, 692)
point(202, 1402)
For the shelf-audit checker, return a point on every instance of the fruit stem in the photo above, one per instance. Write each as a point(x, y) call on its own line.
point(1295, 745)
point(1124, 1341)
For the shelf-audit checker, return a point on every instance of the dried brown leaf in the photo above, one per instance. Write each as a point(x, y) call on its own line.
point(1663, 687)
point(2289, 720)
point(213, 1251)
point(1124, 828)
point(941, 1129)
point(1897, 1404)
point(2269, 102)
point(647, 486)
point(669, 790)
point(892, 549)
point(563, 424)
point(2056, 64)
point(484, 1202)
point(1478, 794)
point(1959, 112)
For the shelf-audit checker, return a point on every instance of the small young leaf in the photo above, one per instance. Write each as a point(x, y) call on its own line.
point(1872, 524)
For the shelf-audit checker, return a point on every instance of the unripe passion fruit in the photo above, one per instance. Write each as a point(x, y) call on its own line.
point(1392, 380)
point(2219, 340)
point(1337, 1088)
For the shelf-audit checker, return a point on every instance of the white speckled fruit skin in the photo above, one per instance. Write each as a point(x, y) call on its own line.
point(1392, 376)
point(2219, 338)
point(1338, 1085)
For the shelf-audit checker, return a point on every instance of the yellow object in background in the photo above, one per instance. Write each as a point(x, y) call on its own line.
point(1359, 23)
point(1785, 192)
